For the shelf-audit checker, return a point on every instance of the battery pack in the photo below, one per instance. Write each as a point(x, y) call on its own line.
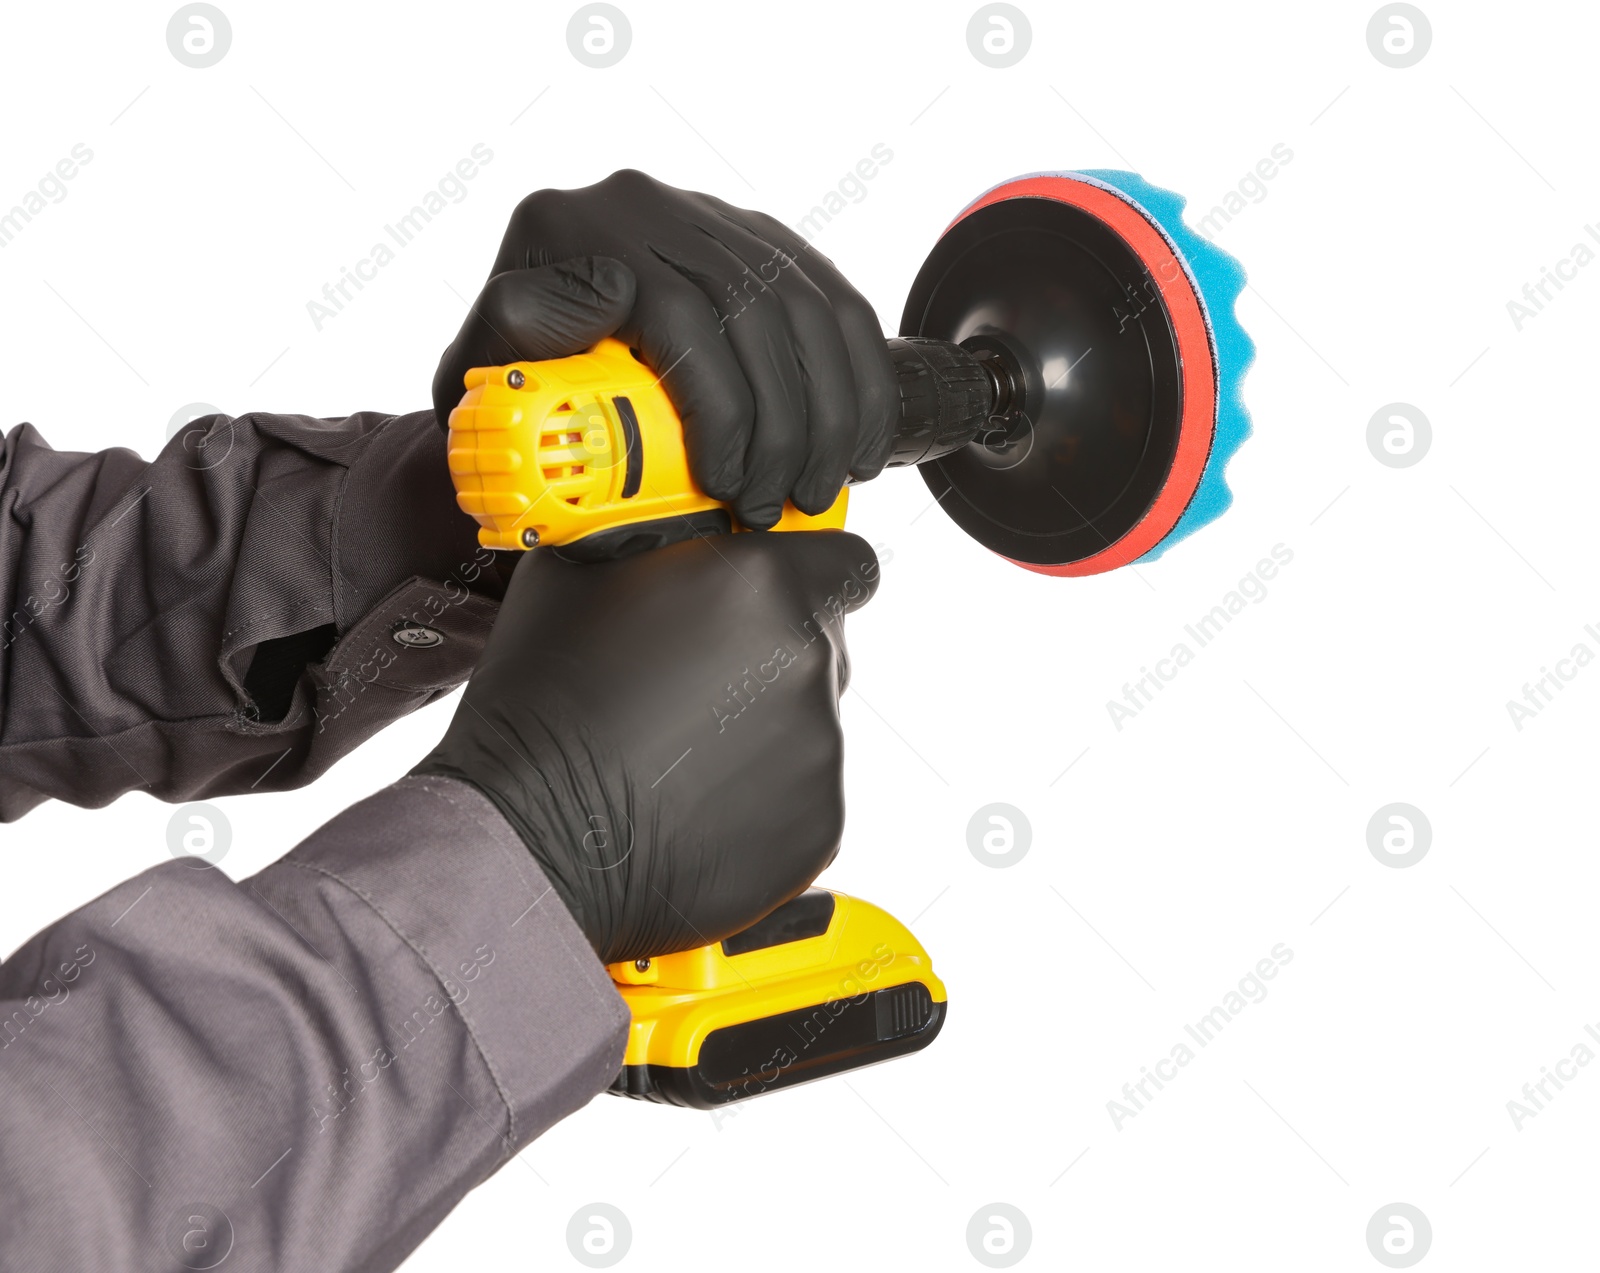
point(825, 983)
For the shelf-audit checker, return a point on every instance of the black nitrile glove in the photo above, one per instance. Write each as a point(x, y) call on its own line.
point(526, 315)
point(777, 366)
point(663, 730)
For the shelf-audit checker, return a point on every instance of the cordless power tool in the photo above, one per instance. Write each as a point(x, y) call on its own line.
point(1069, 367)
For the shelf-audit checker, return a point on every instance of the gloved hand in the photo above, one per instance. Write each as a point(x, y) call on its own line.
point(663, 730)
point(777, 366)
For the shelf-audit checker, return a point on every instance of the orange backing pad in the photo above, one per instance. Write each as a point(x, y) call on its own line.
point(1198, 420)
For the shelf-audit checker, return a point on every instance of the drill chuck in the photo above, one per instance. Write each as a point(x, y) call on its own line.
point(951, 395)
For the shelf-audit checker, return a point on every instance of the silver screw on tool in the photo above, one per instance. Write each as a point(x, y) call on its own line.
point(530, 538)
point(515, 378)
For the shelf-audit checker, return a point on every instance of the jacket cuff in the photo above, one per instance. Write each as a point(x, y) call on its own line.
point(398, 517)
point(445, 871)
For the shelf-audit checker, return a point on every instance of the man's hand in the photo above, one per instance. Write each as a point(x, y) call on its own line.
point(663, 731)
point(776, 364)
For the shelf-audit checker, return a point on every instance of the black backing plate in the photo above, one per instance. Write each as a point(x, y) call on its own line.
point(1104, 393)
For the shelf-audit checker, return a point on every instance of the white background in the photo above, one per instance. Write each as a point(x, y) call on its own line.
point(1229, 816)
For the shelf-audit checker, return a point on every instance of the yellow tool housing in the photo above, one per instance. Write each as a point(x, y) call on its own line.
point(552, 452)
point(825, 983)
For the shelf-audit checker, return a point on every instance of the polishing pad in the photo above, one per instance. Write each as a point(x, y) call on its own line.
point(1121, 322)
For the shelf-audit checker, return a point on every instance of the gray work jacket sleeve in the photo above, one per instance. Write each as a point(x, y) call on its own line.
point(305, 1070)
point(224, 618)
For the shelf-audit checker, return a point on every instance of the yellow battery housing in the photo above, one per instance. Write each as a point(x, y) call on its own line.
point(825, 983)
point(553, 452)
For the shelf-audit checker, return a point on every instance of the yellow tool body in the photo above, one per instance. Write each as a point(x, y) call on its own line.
point(554, 452)
point(825, 983)
point(590, 448)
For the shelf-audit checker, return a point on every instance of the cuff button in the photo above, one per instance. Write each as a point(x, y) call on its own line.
point(417, 637)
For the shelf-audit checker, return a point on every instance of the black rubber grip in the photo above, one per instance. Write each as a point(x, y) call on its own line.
point(946, 398)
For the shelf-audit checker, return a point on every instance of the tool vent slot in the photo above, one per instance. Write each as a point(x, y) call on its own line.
point(633, 476)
